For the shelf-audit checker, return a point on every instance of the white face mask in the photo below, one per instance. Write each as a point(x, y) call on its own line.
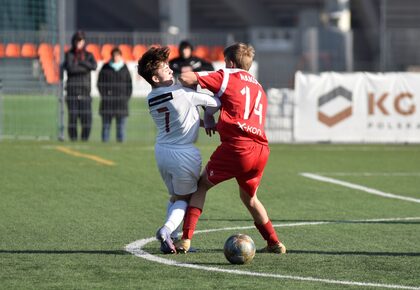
point(117, 65)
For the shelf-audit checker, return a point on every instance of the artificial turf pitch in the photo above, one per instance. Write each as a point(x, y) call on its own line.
point(65, 219)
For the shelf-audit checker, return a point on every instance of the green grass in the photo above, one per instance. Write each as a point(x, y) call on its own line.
point(27, 116)
point(64, 220)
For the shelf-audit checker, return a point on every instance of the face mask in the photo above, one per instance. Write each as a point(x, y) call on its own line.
point(116, 65)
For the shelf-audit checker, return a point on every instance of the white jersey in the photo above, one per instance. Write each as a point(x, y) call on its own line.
point(175, 113)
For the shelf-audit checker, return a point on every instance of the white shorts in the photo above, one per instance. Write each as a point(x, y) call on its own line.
point(179, 167)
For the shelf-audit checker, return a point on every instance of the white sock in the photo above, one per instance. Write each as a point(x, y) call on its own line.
point(175, 233)
point(175, 214)
point(168, 208)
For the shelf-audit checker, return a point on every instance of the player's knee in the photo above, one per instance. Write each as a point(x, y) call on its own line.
point(176, 197)
point(204, 183)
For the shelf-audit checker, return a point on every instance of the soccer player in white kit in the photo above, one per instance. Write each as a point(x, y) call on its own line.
point(174, 110)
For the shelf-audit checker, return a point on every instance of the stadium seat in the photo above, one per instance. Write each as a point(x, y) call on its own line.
point(12, 50)
point(48, 62)
point(56, 52)
point(2, 52)
point(216, 53)
point(50, 69)
point(174, 51)
point(127, 52)
point(202, 51)
point(106, 51)
point(138, 51)
point(45, 49)
point(29, 50)
point(95, 50)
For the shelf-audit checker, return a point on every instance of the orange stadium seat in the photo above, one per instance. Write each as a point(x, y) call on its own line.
point(127, 52)
point(138, 51)
point(50, 69)
point(106, 51)
point(174, 51)
point(47, 53)
point(2, 52)
point(45, 49)
point(216, 53)
point(202, 51)
point(29, 50)
point(95, 50)
point(12, 50)
point(56, 51)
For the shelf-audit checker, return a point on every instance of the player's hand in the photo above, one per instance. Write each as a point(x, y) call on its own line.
point(210, 131)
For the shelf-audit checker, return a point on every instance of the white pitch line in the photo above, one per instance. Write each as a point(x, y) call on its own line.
point(396, 174)
point(136, 248)
point(358, 187)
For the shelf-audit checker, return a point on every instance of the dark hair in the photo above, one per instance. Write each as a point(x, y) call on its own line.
point(115, 51)
point(151, 61)
point(184, 44)
point(77, 36)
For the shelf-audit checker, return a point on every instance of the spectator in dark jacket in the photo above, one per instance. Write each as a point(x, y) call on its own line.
point(187, 61)
point(79, 63)
point(115, 87)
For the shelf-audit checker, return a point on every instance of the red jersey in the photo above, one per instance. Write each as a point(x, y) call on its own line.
point(243, 104)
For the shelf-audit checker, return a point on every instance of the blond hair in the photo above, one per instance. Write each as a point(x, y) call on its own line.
point(240, 54)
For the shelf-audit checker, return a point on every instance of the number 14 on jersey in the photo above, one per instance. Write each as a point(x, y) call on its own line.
point(258, 108)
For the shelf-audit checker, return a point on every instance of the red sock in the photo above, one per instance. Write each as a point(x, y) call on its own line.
point(268, 233)
point(190, 222)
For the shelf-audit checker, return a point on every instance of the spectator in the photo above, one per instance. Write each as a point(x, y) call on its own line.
point(79, 63)
point(187, 62)
point(115, 88)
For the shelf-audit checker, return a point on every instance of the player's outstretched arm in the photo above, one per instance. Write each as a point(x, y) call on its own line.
point(188, 79)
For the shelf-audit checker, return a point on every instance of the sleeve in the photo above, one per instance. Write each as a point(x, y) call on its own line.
point(90, 62)
point(210, 80)
point(129, 83)
point(72, 66)
point(199, 99)
point(101, 81)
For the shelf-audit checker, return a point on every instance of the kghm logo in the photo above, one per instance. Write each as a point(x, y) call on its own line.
point(335, 106)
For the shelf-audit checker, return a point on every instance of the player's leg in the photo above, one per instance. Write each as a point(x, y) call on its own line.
point(184, 175)
point(257, 157)
point(174, 217)
point(220, 167)
point(176, 211)
point(262, 221)
point(193, 213)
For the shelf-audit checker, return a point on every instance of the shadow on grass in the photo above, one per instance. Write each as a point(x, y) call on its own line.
point(355, 253)
point(65, 252)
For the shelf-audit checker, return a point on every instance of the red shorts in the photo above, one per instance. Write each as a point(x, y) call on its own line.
point(244, 161)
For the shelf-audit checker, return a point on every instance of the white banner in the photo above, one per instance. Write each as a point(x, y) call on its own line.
point(357, 107)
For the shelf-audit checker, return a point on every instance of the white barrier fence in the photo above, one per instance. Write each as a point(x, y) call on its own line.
point(357, 107)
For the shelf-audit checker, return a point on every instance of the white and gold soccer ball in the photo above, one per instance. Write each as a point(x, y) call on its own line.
point(239, 249)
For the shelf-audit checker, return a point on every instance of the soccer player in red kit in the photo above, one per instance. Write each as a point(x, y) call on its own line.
point(244, 151)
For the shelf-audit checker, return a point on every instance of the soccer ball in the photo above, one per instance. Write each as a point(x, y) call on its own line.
point(239, 249)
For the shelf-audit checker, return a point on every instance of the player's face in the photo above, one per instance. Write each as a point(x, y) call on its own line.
point(164, 76)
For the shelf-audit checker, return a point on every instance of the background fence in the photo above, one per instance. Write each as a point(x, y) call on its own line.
point(32, 42)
